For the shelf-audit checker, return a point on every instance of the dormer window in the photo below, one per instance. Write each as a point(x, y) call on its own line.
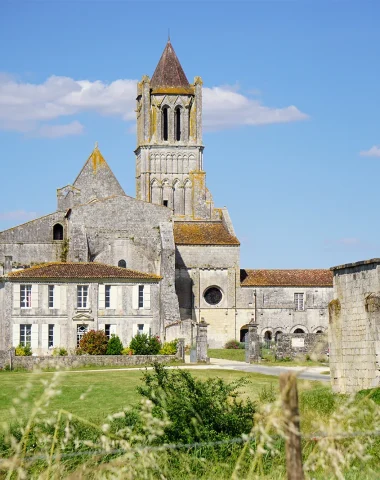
point(177, 124)
point(165, 123)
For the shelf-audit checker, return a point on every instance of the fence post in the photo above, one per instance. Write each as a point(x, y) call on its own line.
point(202, 342)
point(289, 395)
point(253, 344)
point(181, 349)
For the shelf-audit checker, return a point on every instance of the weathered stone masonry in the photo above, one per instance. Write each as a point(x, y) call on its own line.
point(354, 329)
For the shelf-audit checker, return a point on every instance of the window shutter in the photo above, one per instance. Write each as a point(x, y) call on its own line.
point(57, 296)
point(102, 326)
point(16, 296)
point(34, 296)
point(113, 296)
point(113, 329)
point(45, 335)
point(119, 303)
point(147, 297)
point(147, 329)
point(16, 334)
point(57, 336)
point(102, 296)
point(135, 297)
point(34, 336)
point(63, 296)
point(134, 329)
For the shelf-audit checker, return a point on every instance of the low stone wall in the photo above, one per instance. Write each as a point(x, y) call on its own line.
point(292, 345)
point(73, 361)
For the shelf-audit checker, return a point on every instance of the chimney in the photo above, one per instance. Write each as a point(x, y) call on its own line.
point(8, 264)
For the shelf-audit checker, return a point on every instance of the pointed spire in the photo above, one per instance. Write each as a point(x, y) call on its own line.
point(169, 72)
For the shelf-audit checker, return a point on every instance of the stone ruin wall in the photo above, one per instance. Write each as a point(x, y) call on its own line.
point(354, 327)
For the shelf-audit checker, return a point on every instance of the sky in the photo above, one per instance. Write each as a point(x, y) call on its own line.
point(290, 112)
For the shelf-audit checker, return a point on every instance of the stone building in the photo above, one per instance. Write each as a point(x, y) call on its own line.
point(354, 330)
point(54, 304)
point(171, 229)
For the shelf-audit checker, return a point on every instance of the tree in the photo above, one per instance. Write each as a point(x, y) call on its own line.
point(114, 347)
point(142, 344)
point(94, 342)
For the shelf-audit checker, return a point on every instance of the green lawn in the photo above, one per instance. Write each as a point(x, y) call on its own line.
point(227, 354)
point(239, 355)
point(107, 392)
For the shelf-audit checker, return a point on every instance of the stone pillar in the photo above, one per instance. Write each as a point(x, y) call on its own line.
point(181, 349)
point(202, 342)
point(253, 344)
point(7, 264)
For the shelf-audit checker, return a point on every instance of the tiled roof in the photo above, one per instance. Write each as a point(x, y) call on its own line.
point(286, 278)
point(169, 72)
point(75, 270)
point(203, 233)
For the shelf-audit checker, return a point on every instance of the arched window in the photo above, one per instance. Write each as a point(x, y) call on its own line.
point(177, 124)
point(122, 264)
point(57, 232)
point(165, 122)
point(299, 330)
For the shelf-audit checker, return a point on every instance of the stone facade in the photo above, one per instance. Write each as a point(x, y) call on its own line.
point(171, 229)
point(354, 330)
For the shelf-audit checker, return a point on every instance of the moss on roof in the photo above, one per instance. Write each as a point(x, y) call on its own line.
point(203, 233)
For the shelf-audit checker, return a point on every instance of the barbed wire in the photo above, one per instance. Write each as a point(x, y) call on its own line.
point(170, 446)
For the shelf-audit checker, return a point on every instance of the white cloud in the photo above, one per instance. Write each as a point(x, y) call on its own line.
point(56, 131)
point(372, 152)
point(26, 107)
point(18, 215)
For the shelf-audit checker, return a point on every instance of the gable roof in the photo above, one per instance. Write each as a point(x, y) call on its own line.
point(77, 270)
point(169, 72)
point(286, 278)
point(203, 233)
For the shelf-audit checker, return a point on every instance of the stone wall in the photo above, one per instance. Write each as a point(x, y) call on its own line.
point(75, 361)
point(354, 329)
point(292, 345)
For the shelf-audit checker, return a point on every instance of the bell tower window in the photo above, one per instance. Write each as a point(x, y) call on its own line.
point(57, 232)
point(177, 124)
point(165, 123)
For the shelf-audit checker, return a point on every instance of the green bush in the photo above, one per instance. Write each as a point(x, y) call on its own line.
point(94, 342)
point(199, 411)
point(114, 347)
point(127, 351)
point(23, 350)
point(142, 344)
point(232, 344)
point(60, 352)
point(169, 348)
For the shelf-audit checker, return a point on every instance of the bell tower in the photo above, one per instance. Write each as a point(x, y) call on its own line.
point(169, 153)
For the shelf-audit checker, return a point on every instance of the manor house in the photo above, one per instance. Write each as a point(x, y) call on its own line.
point(157, 263)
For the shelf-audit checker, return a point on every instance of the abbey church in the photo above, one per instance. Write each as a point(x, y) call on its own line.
point(158, 263)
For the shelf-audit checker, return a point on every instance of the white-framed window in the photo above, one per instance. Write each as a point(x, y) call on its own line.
point(107, 297)
point(25, 335)
point(107, 331)
point(51, 296)
point(140, 328)
point(81, 330)
point(51, 336)
point(141, 296)
point(25, 296)
point(82, 296)
point(299, 301)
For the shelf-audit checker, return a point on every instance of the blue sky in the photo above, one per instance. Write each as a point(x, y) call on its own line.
point(291, 110)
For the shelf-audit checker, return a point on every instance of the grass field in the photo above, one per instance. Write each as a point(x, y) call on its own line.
point(239, 355)
point(107, 392)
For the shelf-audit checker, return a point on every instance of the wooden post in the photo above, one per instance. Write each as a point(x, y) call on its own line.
point(289, 395)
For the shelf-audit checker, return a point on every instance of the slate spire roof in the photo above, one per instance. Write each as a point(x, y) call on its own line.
point(169, 72)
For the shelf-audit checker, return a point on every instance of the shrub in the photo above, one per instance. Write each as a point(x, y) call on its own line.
point(60, 352)
point(114, 347)
point(142, 344)
point(127, 351)
point(23, 351)
point(169, 348)
point(199, 411)
point(94, 342)
point(232, 344)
